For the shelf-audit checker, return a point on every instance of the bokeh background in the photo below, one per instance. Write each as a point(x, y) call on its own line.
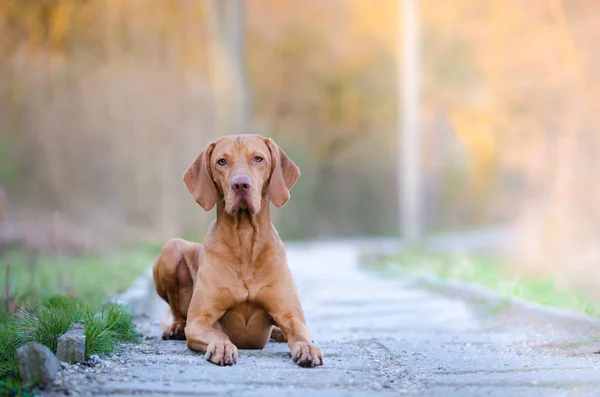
point(104, 103)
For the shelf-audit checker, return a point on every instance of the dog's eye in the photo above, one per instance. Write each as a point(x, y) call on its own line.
point(258, 159)
point(222, 162)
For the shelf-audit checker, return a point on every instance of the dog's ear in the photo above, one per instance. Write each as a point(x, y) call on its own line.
point(199, 181)
point(284, 174)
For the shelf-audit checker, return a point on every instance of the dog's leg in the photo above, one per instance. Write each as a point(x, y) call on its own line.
point(277, 335)
point(203, 331)
point(283, 304)
point(174, 273)
point(304, 352)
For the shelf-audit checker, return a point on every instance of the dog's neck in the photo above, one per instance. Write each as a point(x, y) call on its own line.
point(248, 228)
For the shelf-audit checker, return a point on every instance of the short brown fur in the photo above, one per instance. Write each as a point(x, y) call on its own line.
point(235, 290)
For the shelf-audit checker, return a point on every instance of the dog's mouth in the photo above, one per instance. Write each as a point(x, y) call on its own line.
point(242, 203)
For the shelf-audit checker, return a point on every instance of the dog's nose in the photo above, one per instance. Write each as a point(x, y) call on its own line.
point(241, 183)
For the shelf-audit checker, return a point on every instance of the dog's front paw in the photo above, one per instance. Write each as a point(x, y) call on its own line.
point(175, 331)
point(307, 355)
point(221, 353)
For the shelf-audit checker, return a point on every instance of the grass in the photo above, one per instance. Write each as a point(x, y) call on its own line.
point(8, 345)
point(46, 323)
point(112, 325)
point(119, 320)
point(493, 274)
point(105, 327)
point(98, 338)
point(90, 278)
point(44, 288)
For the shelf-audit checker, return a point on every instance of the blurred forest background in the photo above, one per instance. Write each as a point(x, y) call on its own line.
point(104, 103)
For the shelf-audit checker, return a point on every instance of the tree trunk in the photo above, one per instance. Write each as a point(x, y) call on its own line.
point(231, 92)
point(409, 171)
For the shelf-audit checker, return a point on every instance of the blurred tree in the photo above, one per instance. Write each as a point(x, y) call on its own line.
point(103, 103)
point(409, 152)
point(231, 89)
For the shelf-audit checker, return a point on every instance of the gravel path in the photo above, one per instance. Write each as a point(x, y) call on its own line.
point(380, 337)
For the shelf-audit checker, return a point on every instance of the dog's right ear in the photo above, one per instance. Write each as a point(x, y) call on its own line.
point(199, 181)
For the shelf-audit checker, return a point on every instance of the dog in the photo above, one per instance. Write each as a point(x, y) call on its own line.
point(235, 290)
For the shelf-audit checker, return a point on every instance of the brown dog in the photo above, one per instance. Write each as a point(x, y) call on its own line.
point(231, 291)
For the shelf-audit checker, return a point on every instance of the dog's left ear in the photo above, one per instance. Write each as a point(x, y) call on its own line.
point(284, 174)
point(199, 181)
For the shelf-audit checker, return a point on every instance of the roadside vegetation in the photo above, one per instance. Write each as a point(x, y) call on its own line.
point(491, 273)
point(43, 296)
point(105, 327)
point(29, 279)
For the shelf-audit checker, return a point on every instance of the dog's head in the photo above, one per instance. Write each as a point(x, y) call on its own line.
point(242, 171)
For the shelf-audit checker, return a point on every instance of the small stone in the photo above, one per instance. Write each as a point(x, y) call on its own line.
point(70, 346)
point(37, 363)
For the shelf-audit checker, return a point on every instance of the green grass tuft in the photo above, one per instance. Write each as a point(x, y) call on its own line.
point(104, 328)
point(99, 338)
point(112, 325)
point(46, 323)
point(120, 321)
point(8, 346)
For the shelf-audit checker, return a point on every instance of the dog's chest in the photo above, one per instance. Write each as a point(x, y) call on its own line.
point(248, 280)
point(244, 292)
